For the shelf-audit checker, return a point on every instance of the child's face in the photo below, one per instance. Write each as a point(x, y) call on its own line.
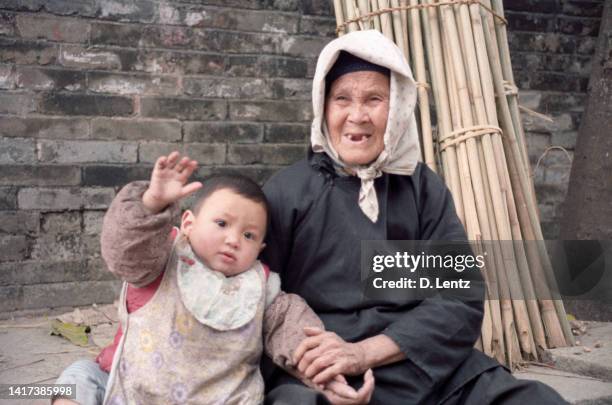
point(228, 231)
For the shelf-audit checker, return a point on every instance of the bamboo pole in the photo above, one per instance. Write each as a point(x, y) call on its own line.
point(351, 13)
point(418, 62)
point(385, 20)
point(376, 18)
point(397, 29)
point(434, 54)
point(363, 9)
point(339, 16)
point(518, 177)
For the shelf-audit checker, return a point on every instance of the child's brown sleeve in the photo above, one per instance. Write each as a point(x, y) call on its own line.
point(284, 321)
point(135, 243)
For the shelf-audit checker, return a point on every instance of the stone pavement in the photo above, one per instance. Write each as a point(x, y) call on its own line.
point(29, 354)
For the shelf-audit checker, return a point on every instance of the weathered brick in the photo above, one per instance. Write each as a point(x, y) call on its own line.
point(535, 6)
point(575, 64)
point(92, 222)
point(265, 154)
point(19, 222)
point(585, 45)
point(34, 272)
point(103, 33)
point(85, 104)
point(303, 46)
point(529, 61)
point(41, 175)
point(220, 87)
point(530, 21)
point(33, 78)
point(561, 122)
point(8, 198)
point(112, 176)
point(324, 26)
point(582, 8)
point(168, 36)
point(39, 127)
point(266, 66)
point(287, 133)
point(97, 198)
point(247, 4)
point(550, 194)
point(69, 294)
point(558, 175)
point(258, 173)
point(23, 52)
point(132, 11)
point(244, 42)
point(16, 103)
point(555, 101)
point(222, 132)
point(120, 83)
point(8, 77)
point(291, 89)
point(13, 247)
point(530, 99)
point(131, 130)
point(12, 297)
point(17, 150)
point(180, 108)
point(91, 246)
point(61, 222)
point(84, 8)
point(554, 81)
point(227, 18)
point(89, 58)
point(565, 139)
point(49, 199)
point(317, 7)
point(179, 62)
point(205, 154)
point(270, 110)
point(541, 42)
point(557, 157)
point(578, 26)
point(7, 23)
point(86, 151)
point(52, 28)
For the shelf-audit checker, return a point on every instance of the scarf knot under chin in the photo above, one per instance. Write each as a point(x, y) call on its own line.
point(368, 201)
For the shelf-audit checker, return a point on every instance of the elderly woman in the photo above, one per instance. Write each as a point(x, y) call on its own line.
point(362, 181)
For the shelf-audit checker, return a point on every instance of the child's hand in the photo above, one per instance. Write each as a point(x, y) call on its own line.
point(168, 182)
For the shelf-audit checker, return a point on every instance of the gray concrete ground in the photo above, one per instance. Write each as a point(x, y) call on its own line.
point(29, 354)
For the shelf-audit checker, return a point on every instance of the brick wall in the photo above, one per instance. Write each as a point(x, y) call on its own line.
point(92, 91)
point(552, 44)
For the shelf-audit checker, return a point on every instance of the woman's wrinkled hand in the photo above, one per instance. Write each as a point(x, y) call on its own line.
point(323, 355)
point(338, 392)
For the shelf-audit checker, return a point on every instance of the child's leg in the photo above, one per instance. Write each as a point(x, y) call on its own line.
point(90, 381)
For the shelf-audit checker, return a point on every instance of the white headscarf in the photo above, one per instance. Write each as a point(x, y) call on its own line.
point(402, 152)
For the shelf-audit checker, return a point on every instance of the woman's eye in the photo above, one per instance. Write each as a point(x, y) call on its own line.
point(249, 235)
point(221, 223)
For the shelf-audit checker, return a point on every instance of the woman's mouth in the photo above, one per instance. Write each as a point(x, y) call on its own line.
point(358, 138)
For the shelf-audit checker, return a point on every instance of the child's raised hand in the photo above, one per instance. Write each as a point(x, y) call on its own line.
point(169, 181)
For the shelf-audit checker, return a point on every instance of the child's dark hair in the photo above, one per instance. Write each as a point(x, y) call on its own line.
point(237, 183)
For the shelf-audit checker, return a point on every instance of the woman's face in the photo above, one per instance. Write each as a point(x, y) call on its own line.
point(356, 111)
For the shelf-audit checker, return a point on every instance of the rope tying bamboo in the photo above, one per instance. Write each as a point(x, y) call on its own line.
point(451, 139)
point(367, 16)
point(510, 88)
point(423, 85)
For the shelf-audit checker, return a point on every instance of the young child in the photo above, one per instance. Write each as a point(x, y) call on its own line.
point(209, 301)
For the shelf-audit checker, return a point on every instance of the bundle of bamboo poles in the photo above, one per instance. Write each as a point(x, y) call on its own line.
point(458, 51)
